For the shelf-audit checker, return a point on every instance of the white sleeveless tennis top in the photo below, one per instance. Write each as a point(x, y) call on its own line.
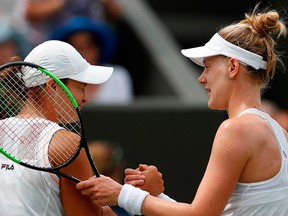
point(265, 198)
point(23, 191)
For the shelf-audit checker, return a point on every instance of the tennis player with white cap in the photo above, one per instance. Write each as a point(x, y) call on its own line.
point(247, 170)
point(28, 192)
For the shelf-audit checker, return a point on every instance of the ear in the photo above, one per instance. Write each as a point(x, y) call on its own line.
point(233, 68)
point(51, 86)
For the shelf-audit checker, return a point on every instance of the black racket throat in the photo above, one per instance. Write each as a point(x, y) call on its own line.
point(54, 171)
point(85, 146)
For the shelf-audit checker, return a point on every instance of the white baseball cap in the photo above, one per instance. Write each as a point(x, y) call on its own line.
point(64, 61)
point(219, 46)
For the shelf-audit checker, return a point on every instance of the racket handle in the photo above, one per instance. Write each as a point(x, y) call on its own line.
point(120, 211)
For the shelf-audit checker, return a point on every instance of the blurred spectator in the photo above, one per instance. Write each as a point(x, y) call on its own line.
point(40, 16)
point(97, 42)
point(109, 158)
point(11, 42)
point(282, 118)
point(279, 114)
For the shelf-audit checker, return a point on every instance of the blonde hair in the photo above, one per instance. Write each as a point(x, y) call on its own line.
point(255, 33)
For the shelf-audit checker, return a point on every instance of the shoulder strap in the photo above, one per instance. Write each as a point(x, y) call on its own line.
point(277, 129)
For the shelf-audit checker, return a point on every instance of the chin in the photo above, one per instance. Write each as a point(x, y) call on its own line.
point(213, 106)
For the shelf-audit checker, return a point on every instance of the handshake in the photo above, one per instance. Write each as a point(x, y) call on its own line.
point(139, 183)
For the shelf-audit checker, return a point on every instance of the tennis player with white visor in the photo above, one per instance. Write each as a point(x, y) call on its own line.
point(247, 169)
point(219, 46)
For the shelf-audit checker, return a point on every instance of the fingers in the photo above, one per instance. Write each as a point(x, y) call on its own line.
point(86, 192)
point(145, 177)
point(134, 177)
point(143, 167)
point(136, 171)
point(150, 169)
point(154, 183)
point(130, 171)
point(85, 184)
point(102, 190)
point(137, 180)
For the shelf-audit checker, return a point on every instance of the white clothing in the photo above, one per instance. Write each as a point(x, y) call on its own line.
point(117, 90)
point(23, 191)
point(265, 198)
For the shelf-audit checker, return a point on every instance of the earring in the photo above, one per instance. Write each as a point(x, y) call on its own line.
point(230, 77)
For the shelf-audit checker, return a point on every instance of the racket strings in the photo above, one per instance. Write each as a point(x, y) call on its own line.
point(61, 154)
point(19, 140)
point(25, 147)
point(31, 138)
point(11, 98)
point(16, 97)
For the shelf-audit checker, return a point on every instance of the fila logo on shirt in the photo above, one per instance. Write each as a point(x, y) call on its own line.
point(7, 166)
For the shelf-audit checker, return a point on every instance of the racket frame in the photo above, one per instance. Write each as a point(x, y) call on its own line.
point(83, 142)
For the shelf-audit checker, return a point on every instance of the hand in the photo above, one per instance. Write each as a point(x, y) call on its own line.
point(102, 190)
point(134, 177)
point(153, 182)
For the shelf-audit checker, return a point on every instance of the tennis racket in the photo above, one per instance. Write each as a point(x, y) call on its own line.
point(36, 106)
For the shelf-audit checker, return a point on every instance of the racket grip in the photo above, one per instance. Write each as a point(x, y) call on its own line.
point(120, 211)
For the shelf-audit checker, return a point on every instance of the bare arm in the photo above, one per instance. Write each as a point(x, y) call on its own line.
point(228, 159)
point(73, 201)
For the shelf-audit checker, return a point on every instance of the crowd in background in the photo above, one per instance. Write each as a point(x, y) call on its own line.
point(27, 23)
point(99, 32)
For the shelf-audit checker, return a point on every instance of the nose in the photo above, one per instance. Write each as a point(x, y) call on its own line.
point(201, 78)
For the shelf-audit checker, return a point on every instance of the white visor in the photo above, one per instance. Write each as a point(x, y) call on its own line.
point(219, 46)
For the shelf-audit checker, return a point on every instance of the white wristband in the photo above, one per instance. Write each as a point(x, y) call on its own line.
point(131, 198)
point(165, 197)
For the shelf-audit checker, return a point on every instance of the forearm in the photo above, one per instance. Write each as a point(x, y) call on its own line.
point(74, 203)
point(153, 206)
point(140, 202)
point(165, 197)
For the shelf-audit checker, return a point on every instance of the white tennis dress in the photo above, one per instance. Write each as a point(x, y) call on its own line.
point(265, 198)
point(23, 191)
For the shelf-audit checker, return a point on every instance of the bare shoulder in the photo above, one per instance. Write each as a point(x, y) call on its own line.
point(241, 134)
point(64, 144)
point(243, 126)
